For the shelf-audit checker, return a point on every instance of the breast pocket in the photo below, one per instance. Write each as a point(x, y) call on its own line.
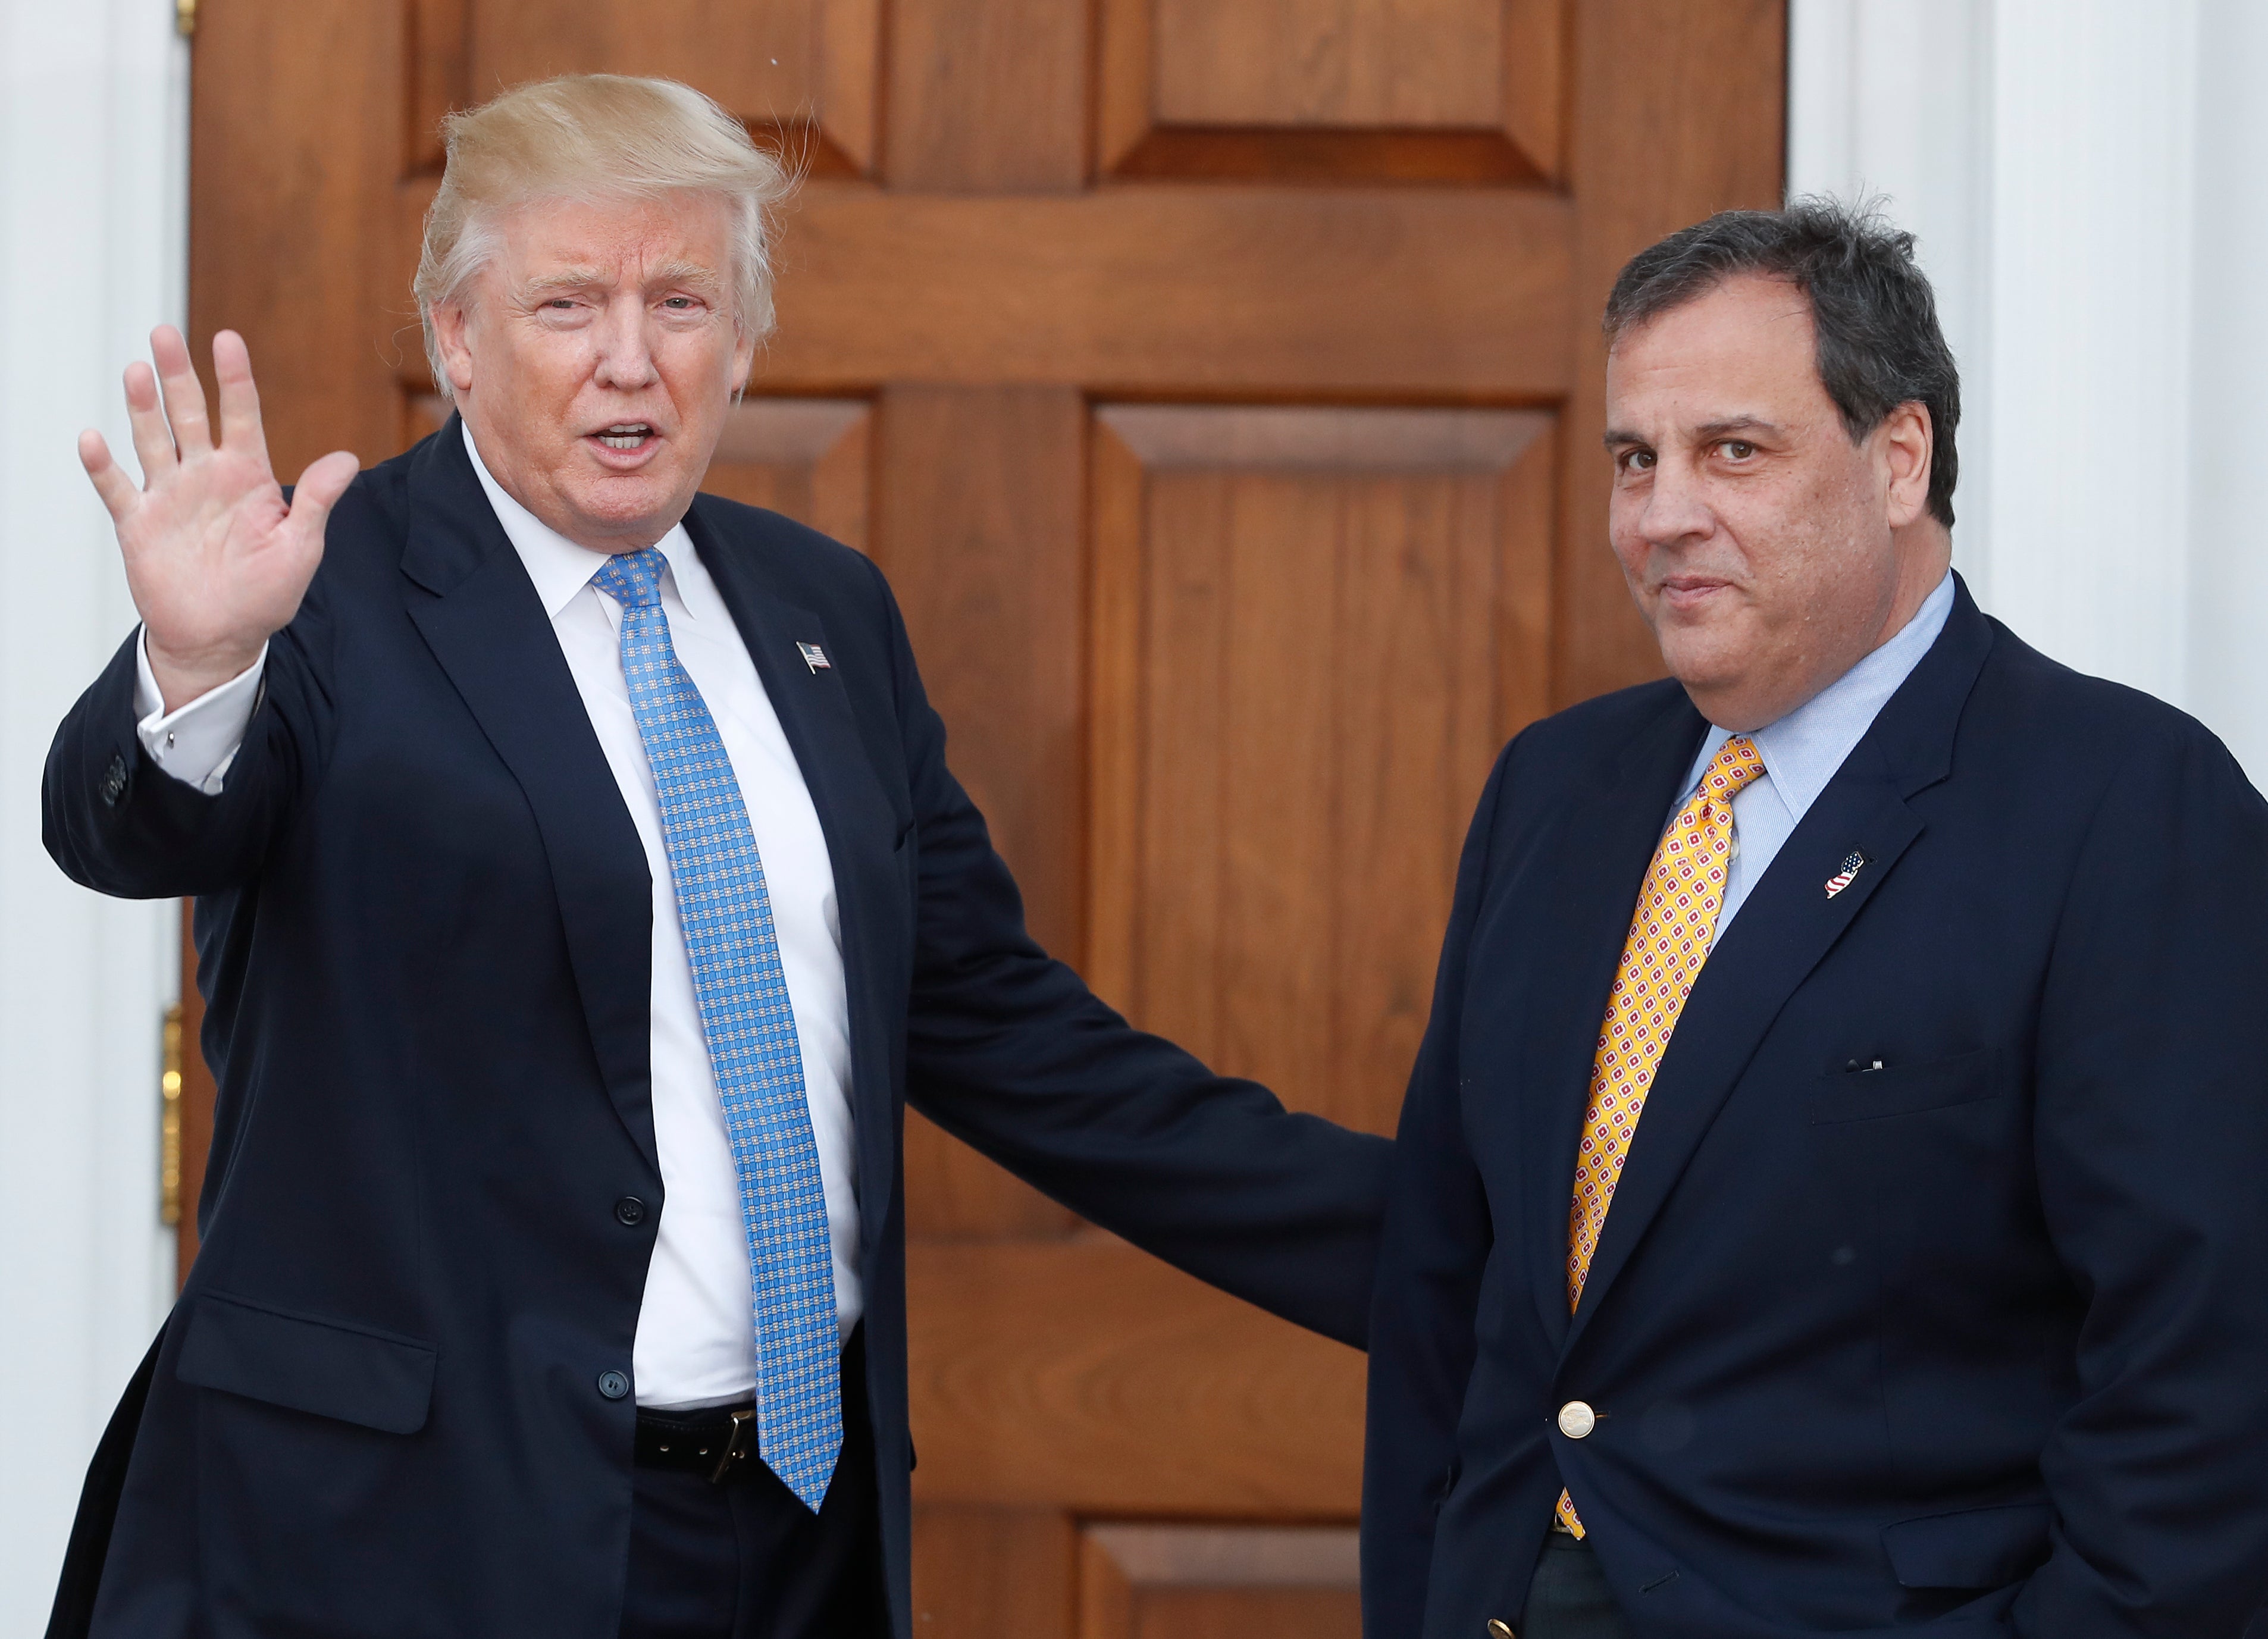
point(1869, 1093)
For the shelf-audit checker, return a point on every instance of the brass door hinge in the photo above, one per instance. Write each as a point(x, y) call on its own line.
point(185, 16)
point(169, 1123)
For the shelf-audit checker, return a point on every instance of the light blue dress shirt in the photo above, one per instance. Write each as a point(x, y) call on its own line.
point(1802, 751)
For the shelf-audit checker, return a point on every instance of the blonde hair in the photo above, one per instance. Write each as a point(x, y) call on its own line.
point(593, 137)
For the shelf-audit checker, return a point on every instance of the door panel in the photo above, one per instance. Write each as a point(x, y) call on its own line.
point(999, 1571)
point(1218, 1582)
point(988, 97)
point(1348, 64)
point(1080, 1373)
point(980, 519)
point(805, 67)
point(1319, 626)
point(811, 458)
point(1219, 383)
point(1445, 91)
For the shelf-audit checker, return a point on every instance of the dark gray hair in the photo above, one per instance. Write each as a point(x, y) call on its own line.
point(1875, 314)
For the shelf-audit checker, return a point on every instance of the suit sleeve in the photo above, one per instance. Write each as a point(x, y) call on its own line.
point(2152, 1136)
point(118, 823)
point(1008, 1050)
point(1435, 1246)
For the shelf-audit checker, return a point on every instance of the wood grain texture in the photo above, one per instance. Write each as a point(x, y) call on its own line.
point(1176, 1581)
point(1087, 1376)
point(787, 64)
point(1125, 79)
point(1347, 92)
point(1301, 616)
point(1538, 35)
point(993, 1573)
point(1414, 65)
point(1118, 516)
point(1317, 158)
point(1429, 292)
point(988, 95)
point(440, 63)
point(979, 528)
point(1681, 113)
point(1180, 289)
point(952, 1194)
point(811, 458)
point(850, 55)
point(291, 239)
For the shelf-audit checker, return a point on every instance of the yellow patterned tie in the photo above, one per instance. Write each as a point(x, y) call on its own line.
point(1669, 939)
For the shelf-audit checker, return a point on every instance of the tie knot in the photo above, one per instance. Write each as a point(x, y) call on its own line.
point(1735, 765)
point(633, 579)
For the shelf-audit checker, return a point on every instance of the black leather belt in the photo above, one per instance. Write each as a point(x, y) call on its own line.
point(717, 1443)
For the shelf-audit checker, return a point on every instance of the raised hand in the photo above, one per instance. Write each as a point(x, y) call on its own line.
point(216, 561)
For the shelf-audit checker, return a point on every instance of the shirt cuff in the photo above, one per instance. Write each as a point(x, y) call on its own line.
point(196, 743)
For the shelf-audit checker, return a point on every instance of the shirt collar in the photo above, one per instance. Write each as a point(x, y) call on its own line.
point(1802, 751)
point(559, 568)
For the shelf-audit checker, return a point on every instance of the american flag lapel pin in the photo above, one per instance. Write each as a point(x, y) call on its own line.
point(814, 657)
point(1841, 879)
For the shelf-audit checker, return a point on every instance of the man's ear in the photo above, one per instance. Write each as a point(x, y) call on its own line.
point(744, 360)
point(449, 325)
point(1904, 444)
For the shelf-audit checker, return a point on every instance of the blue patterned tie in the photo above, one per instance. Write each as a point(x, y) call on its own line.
point(750, 1028)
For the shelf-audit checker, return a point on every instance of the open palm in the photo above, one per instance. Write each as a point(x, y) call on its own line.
point(215, 561)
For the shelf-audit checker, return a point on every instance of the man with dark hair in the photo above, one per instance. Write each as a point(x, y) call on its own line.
point(1829, 1199)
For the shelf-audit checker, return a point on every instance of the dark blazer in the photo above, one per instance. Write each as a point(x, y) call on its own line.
point(423, 928)
point(1978, 1339)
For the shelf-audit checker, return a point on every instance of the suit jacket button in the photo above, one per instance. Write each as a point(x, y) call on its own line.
point(630, 1210)
point(1499, 1629)
point(614, 1384)
point(1577, 1420)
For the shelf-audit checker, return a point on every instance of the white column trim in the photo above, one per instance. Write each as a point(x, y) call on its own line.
point(2082, 175)
point(93, 182)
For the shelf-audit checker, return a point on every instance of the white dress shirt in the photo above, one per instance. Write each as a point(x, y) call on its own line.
point(695, 1341)
point(1804, 749)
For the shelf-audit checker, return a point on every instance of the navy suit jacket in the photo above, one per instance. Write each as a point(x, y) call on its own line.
point(423, 928)
point(1976, 1341)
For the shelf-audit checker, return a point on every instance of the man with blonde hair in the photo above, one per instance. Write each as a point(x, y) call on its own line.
point(582, 894)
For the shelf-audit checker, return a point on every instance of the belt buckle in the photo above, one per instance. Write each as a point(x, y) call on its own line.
point(734, 1449)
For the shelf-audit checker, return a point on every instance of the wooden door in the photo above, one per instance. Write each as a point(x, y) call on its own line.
point(1219, 383)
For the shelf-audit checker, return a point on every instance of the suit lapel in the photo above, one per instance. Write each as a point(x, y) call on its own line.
point(479, 614)
point(1788, 924)
point(1603, 844)
point(855, 815)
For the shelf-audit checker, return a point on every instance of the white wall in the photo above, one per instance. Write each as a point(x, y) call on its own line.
point(2227, 613)
point(93, 144)
point(2083, 177)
